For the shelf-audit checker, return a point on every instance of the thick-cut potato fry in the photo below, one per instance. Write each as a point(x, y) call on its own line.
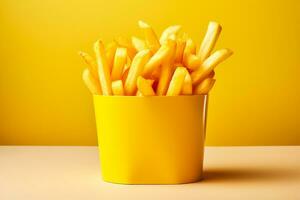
point(110, 50)
point(117, 87)
point(167, 69)
point(179, 50)
point(150, 36)
point(205, 86)
point(136, 70)
point(119, 63)
point(187, 88)
point(103, 68)
point(190, 48)
point(177, 81)
point(156, 60)
point(209, 64)
point(212, 34)
point(91, 83)
point(139, 94)
point(138, 43)
point(124, 42)
point(145, 87)
point(92, 65)
point(171, 30)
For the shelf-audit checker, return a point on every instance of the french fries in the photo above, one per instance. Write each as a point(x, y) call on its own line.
point(209, 64)
point(205, 86)
point(168, 66)
point(171, 30)
point(135, 71)
point(177, 81)
point(150, 36)
point(92, 65)
point(120, 60)
point(167, 69)
point(103, 68)
point(138, 44)
point(110, 50)
point(156, 60)
point(91, 83)
point(145, 86)
point(187, 88)
point(209, 41)
point(117, 87)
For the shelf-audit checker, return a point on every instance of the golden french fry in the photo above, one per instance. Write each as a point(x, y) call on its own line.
point(205, 86)
point(136, 70)
point(209, 64)
point(145, 87)
point(150, 36)
point(212, 34)
point(190, 48)
point(138, 43)
point(91, 83)
point(167, 69)
point(187, 88)
point(156, 60)
point(177, 81)
point(171, 30)
point(192, 62)
point(119, 63)
point(179, 50)
point(117, 87)
point(103, 68)
point(110, 50)
point(92, 65)
point(124, 42)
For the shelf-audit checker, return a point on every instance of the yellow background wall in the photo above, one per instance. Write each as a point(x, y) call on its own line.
point(256, 100)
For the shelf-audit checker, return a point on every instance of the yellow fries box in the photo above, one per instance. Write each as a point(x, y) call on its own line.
point(151, 140)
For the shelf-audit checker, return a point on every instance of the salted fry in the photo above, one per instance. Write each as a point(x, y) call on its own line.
point(209, 64)
point(136, 70)
point(209, 41)
point(177, 81)
point(110, 50)
point(91, 83)
point(119, 63)
point(150, 36)
point(187, 88)
point(145, 87)
point(205, 86)
point(179, 50)
point(171, 30)
point(103, 68)
point(117, 87)
point(190, 48)
point(138, 43)
point(92, 65)
point(124, 42)
point(156, 60)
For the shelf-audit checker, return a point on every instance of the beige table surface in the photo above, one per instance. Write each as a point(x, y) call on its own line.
point(73, 173)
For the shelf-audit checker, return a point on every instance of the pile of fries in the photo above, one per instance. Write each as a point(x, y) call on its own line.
point(171, 65)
